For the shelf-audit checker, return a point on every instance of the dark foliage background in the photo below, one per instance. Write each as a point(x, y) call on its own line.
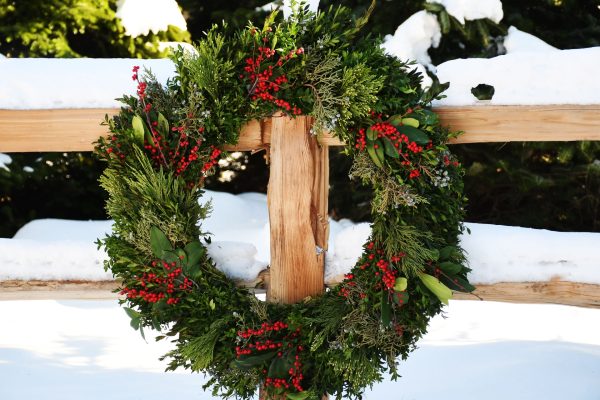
point(541, 185)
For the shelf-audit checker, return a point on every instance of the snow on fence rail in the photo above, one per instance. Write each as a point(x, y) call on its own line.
point(298, 218)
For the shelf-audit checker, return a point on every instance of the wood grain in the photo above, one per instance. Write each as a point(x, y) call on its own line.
point(76, 129)
point(482, 124)
point(57, 290)
point(551, 292)
point(296, 270)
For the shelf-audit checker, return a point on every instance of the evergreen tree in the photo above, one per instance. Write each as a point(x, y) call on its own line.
point(62, 185)
point(74, 28)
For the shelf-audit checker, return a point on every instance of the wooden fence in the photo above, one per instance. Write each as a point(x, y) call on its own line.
point(299, 185)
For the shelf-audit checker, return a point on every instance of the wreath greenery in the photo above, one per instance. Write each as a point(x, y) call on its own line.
point(167, 139)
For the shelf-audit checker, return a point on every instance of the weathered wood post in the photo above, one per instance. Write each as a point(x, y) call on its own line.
point(298, 211)
point(297, 199)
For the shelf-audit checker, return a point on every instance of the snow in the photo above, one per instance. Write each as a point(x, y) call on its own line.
point(548, 77)
point(518, 41)
point(140, 17)
point(71, 350)
point(47, 83)
point(470, 10)
point(4, 161)
point(532, 72)
point(313, 5)
point(52, 249)
point(414, 37)
point(173, 46)
point(511, 254)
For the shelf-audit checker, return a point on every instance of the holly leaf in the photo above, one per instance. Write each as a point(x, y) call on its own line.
point(374, 154)
point(457, 283)
point(447, 252)
point(280, 367)
point(410, 122)
point(163, 125)
point(136, 320)
point(386, 311)
point(250, 361)
point(371, 134)
point(195, 251)
point(138, 129)
point(450, 267)
point(427, 117)
point(414, 134)
point(389, 148)
point(159, 242)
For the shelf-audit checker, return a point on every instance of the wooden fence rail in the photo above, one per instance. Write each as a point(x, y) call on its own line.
point(76, 129)
point(298, 216)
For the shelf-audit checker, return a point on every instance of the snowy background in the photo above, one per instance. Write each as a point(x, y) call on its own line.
point(76, 350)
point(62, 350)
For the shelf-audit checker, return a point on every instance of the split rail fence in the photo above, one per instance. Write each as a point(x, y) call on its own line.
point(298, 190)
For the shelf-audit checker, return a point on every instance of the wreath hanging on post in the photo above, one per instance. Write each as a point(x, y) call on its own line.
point(167, 139)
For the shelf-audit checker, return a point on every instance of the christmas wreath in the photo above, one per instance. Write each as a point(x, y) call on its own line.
point(168, 138)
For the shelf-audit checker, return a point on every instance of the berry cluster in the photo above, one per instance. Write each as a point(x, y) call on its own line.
point(277, 338)
point(174, 148)
point(385, 271)
point(407, 149)
point(266, 78)
point(166, 281)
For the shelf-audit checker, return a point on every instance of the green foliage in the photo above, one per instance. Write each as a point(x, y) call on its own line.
point(73, 28)
point(320, 66)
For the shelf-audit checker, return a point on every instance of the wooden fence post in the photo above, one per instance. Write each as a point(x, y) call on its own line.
point(297, 199)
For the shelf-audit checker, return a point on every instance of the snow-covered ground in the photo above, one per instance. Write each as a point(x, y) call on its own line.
point(75, 350)
point(53, 249)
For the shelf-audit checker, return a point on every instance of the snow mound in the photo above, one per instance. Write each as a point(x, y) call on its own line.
point(52, 83)
point(549, 77)
point(58, 249)
point(4, 161)
point(26, 259)
point(140, 17)
point(469, 10)
point(414, 37)
point(236, 259)
point(56, 230)
point(518, 41)
point(513, 254)
point(346, 250)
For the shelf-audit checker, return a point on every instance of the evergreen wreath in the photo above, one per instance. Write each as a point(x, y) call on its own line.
point(167, 139)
